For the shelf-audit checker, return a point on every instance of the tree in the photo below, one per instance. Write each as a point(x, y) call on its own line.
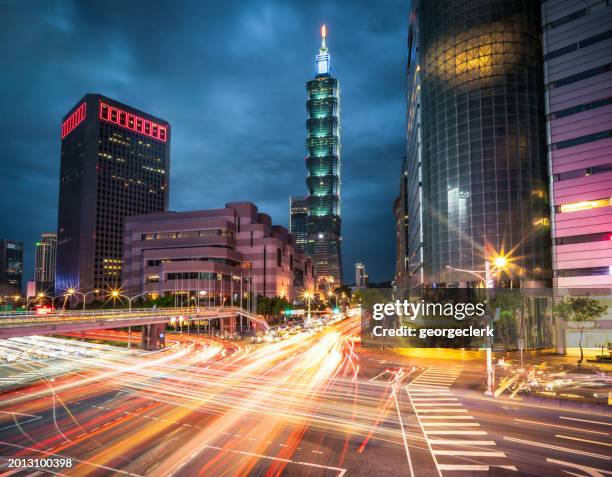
point(580, 310)
point(271, 307)
point(343, 289)
point(507, 326)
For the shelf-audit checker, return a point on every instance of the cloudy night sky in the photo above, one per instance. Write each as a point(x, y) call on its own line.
point(230, 78)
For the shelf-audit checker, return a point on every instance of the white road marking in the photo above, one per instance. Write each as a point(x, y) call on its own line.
point(399, 415)
point(592, 471)
point(464, 467)
point(585, 420)
point(562, 449)
point(451, 424)
point(423, 393)
point(456, 433)
point(447, 417)
point(460, 442)
point(436, 403)
point(341, 471)
point(562, 427)
point(35, 418)
point(583, 440)
point(469, 453)
point(432, 399)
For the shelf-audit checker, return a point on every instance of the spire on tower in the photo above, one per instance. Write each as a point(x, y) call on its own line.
point(323, 59)
point(323, 38)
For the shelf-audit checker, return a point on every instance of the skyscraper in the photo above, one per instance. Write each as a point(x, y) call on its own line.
point(407, 208)
point(361, 277)
point(44, 262)
point(115, 163)
point(298, 214)
point(11, 267)
point(323, 164)
point(483, 143)
point(577, 40)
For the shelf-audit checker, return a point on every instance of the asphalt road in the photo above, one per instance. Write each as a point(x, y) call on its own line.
point(311, 405)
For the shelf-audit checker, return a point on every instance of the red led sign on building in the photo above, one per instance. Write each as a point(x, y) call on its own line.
point(74, 120)
point(130, 121)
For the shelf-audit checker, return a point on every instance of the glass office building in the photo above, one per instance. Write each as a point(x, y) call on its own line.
point(482, 140)
point(298, 214)
point(11, 267)
point(323, 164)
point(115, 162)
point(578, 75)
point(44, 262)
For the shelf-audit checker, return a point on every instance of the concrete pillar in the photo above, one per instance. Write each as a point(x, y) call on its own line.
point(153, 337)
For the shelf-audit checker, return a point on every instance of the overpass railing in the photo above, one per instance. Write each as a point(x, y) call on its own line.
point(122, 314)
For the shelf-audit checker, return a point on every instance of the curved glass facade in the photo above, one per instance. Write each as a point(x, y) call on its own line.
point(323, 178)
point(484, 171)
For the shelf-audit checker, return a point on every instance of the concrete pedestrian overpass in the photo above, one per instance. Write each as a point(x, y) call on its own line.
point(153, 321)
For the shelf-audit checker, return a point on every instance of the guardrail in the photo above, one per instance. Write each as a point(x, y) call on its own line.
point(144, 315)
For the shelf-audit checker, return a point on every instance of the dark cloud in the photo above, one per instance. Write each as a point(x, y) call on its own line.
point(229, 76)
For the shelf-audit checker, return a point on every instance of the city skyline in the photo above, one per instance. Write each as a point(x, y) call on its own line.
point(243, 37)
point(203, 205)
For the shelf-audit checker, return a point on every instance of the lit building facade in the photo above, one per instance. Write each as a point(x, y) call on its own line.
point(323, 178)
point(577, 39)
point(483, 165)
point(298, 214)
point(407, 207)
point(44, 263)
point(361, 277)
point(11, 267)
point(115, 162)
point(219, 256)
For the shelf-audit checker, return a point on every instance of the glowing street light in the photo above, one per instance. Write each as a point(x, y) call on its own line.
point(73, 291)
point(500, 262)
point(308, 296)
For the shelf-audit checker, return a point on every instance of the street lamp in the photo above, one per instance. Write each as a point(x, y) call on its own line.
point(73, 291)
point(308, 296)
point(500, 262)
point(116, 294)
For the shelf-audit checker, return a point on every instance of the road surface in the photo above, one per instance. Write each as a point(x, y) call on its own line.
point(310, 405)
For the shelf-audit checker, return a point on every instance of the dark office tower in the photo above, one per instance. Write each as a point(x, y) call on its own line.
point(323, 164)
point(11, 267)
point(408, 210)
point(484, 170)
point(578, 76)
point(115, 163)
point(44, 262)
point(297, 221)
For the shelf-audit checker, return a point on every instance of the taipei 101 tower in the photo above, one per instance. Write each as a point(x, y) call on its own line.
point(323, 177)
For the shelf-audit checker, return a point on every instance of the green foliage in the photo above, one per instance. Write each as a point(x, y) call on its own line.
point(506, 301)
point(272, 306)
point(505, 327)
point(370, 296)
point(579, 310)
point(343, 289)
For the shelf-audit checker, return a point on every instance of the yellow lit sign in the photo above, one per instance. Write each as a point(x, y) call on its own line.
point(585, 205)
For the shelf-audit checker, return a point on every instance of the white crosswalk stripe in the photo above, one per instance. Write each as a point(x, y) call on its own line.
point(462, 450)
